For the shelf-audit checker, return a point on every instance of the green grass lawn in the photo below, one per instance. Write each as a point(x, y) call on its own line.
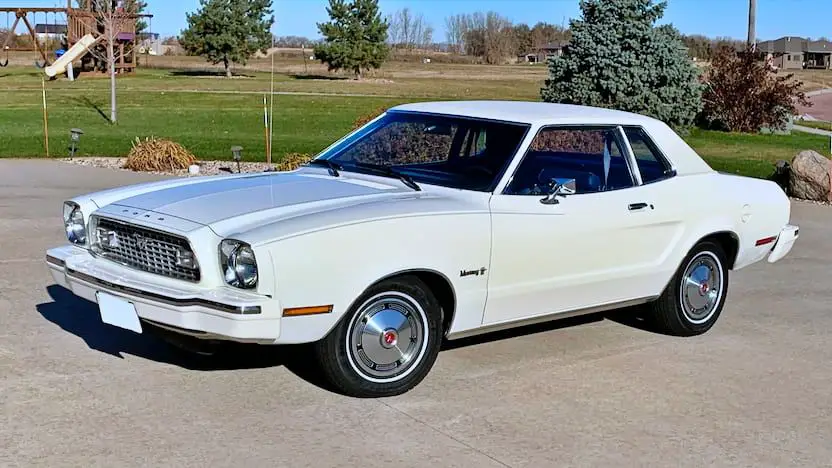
point(208, 115)
point(752, 155)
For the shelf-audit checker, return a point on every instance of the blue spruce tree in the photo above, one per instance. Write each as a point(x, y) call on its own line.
point(618, 58)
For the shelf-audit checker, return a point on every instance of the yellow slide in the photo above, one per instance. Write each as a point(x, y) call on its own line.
point(78, 50)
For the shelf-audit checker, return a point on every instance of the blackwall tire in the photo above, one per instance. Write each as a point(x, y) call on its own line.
point(387, 343)
point(693, 301)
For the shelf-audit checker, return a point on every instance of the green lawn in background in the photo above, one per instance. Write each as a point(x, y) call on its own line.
point(752, 155)
point(208, 115)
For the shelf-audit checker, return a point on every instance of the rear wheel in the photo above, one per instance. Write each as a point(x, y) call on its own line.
point(692, 302)
point(387, 343)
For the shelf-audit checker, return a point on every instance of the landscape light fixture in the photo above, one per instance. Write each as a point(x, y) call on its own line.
point(74, 137)
point(237, 152)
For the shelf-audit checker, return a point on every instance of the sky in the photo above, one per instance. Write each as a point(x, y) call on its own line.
point(807, 18)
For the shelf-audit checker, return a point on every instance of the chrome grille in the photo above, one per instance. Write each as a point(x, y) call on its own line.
point(143, 249)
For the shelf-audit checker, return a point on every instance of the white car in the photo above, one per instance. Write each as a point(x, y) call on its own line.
point(434, 221)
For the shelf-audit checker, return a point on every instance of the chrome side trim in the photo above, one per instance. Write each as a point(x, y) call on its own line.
point(229, 309)
point(548, 318)
point(55, 261)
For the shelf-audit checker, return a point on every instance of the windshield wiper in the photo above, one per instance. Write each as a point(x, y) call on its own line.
point(333, 167)
point(390, 172)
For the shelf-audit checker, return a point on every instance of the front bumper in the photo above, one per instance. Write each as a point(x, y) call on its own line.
point(784, 243)
point(219, 313)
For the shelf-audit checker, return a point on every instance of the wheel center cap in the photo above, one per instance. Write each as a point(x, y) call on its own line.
point(704, 288)
point(389, 338)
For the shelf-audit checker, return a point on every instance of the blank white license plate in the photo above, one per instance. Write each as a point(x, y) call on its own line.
point(118, 312)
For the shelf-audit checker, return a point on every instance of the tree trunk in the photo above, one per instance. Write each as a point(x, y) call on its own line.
point(357, 73)
point(111, 62)
point(227, 67)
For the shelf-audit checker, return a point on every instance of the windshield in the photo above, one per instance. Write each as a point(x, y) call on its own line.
point(432, 149)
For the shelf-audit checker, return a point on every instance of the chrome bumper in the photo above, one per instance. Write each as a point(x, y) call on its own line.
point(784, 243)
point(219, 313)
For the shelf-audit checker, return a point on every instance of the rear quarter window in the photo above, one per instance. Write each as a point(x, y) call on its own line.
point(651, 163)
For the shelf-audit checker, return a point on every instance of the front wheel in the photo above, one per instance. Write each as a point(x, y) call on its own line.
point(693, 301)
point(387, 342)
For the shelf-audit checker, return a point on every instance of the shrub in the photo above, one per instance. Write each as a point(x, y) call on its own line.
point(292, 161)
point(157, 155)
point(743, 94)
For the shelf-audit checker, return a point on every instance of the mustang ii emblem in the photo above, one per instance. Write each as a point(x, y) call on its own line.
point(464, 273)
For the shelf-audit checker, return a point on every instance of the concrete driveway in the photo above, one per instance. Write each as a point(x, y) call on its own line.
point(756, 391)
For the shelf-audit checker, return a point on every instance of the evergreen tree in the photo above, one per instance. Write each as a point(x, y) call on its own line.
point(355, 38)
point(617, 58)
point(229, 31)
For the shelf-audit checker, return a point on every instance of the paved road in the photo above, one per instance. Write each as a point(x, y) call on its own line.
point(812, 130)
point(753, 392)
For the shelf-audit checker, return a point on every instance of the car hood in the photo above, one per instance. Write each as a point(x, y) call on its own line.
point(214, 201)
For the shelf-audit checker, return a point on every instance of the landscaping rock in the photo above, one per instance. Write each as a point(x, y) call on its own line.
point(810, 177)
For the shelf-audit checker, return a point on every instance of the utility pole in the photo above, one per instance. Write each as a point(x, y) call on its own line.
point(752, 24)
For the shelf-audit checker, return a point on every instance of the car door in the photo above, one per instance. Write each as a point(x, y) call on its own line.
point(593, 247)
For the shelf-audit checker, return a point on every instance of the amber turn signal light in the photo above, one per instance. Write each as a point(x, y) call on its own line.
point(315, 310)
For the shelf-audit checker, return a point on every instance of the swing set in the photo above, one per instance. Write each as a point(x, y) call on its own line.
point(78, 22)
point(23, 15)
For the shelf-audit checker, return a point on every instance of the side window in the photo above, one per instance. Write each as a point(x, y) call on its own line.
point(591, 156)
point(651, 165)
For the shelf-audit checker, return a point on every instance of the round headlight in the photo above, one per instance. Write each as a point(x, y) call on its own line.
point(238, 264)
point(76, 231)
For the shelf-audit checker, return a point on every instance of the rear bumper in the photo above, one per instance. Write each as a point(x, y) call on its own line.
point(219, 313)
point(784, 243)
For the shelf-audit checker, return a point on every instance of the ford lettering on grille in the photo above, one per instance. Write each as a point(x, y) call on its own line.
point(144, 249)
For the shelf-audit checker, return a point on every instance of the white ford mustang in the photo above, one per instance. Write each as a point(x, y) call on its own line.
point(434, 221)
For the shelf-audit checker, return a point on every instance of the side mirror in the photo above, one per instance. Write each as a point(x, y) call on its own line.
point(559, 188)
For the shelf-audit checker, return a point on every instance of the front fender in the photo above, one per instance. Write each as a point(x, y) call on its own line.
point(333, 267)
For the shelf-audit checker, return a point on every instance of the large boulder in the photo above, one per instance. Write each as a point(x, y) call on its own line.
point(810, 177)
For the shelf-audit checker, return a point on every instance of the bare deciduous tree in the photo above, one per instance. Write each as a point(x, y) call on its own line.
point(455, 29)
point(409, 31)
point(112, 20)
point(490, 36)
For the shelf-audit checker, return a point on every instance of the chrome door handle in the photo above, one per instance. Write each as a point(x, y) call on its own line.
point(637, 206)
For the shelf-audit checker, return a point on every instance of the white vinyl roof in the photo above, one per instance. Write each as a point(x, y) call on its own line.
point(540, 113)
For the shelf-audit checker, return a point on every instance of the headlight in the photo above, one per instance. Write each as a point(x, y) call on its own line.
point(239, 267)
point(76, 231)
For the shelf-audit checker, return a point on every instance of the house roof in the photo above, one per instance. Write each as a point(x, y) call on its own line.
point(50, 28)
point(795, 45)
point(819, 46)
point(554, 45)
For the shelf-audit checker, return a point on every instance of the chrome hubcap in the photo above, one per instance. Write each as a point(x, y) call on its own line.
point(701, 288)
point(387, 337)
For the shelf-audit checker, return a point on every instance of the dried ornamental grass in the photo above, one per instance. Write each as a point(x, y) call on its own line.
point(292, 161)
point(156, 154)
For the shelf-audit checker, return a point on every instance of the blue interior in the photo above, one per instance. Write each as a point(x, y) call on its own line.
point(540, 167)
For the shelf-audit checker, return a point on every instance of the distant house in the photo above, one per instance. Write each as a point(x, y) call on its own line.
point(542, 54)
point(795, 53)
point(49, 31)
